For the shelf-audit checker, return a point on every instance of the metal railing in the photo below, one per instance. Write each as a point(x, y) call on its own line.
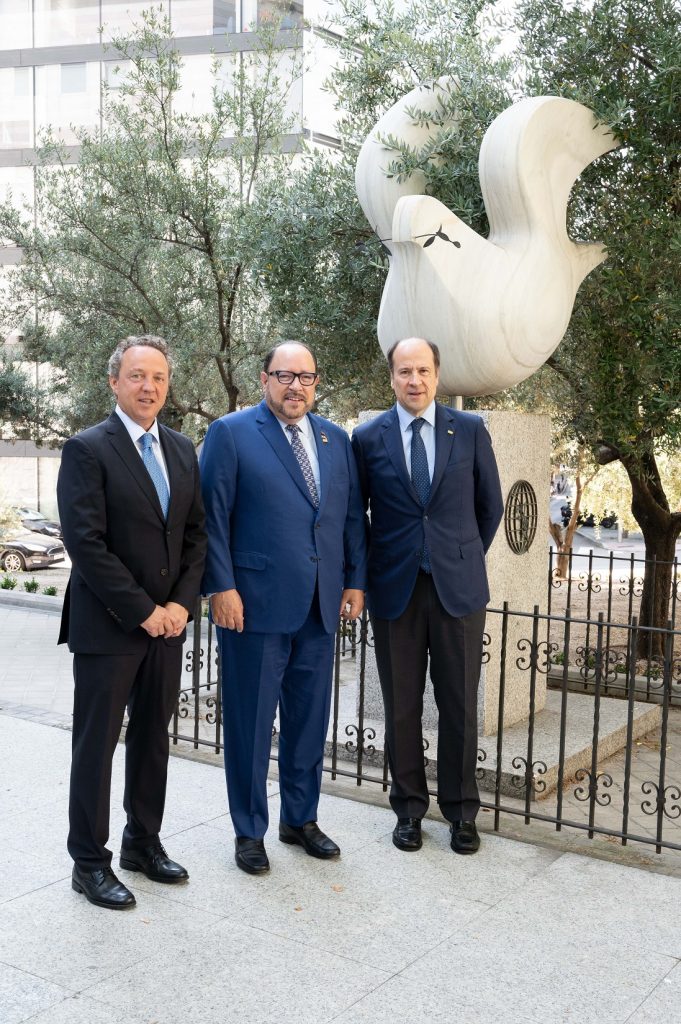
point(600, 765)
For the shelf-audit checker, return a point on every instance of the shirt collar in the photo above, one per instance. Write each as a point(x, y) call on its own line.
point(134, 429)
point(304, 424)
point(406, 418)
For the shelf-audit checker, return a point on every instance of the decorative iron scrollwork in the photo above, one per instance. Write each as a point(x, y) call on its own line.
point(583, 793)
point(486, 655)
point(590, 581)
point(368, 733)
point(668, 800)
point(482, 757)
point(538, 655)
point(538, 768)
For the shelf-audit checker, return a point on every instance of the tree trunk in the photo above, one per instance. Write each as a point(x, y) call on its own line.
point(661, 529)
point(564, 535)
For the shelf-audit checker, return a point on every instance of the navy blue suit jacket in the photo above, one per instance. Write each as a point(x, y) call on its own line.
point(265, 537)
point(459, 522)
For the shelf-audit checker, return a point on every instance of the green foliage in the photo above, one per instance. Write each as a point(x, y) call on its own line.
point(50, 591)
point(621, 359)
point(31, 586)
point(153, 231)
point(8, 582)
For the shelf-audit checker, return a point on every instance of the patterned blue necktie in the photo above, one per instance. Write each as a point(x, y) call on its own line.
point(420, 477)
point(155, 472)
point(303, 461)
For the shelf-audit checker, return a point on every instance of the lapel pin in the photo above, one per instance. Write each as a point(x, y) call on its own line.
point(450, 431)
point(325, 439)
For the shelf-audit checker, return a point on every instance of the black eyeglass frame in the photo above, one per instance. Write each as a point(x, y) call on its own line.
point(290, 373)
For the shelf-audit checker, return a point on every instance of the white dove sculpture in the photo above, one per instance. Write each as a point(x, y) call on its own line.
point(496, 307)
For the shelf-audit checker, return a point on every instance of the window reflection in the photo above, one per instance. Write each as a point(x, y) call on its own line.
point(16, 107)
point(290, 15)
point(195, 95)
point(203, 17)
point(58, 22)
point(123, 17)
point(15, 23)
point(67, 98)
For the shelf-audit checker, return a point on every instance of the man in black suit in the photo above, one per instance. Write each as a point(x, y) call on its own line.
point(132, 516)
point(429, 477)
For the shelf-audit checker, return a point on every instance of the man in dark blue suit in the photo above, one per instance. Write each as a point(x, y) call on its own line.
point(286, 556)
point(430, 480)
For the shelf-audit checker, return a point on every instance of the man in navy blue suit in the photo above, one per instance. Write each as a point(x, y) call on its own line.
point(286, 556)
point(430, 480)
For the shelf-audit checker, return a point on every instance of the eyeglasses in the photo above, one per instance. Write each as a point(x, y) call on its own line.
point(307, 379)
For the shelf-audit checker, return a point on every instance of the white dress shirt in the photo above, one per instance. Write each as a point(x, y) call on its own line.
point(309, 444)
point(136, 431)
point(427, 433)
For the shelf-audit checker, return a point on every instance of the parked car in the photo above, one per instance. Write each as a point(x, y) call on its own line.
point(35, 521)
point(28, 552)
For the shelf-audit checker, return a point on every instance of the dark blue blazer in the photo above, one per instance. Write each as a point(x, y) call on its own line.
point(459, 522)
point(265, 537)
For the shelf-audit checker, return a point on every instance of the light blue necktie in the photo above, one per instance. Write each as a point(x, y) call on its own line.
point(420, 477)
point(155, 472)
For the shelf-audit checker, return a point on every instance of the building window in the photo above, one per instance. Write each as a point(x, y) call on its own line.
point(59, 22)
point(16, 108)
point(15, 24)
point(73, 78)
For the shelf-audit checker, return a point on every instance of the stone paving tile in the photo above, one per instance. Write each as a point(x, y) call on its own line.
point(546, 975)
point(663, 1005)
point(424, 1001)
point(80, 1009)
point(620, 910)
point(55, 934)
point(22, 995)
point(241, 974)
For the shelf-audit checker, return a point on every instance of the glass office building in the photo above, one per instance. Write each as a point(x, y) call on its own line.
point(54, 61)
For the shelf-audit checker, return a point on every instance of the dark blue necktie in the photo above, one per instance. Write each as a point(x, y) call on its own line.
point(420, 477)
point(303, 461)
point(155, 472)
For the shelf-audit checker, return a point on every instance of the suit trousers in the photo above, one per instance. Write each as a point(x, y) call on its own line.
point(148, 684)
point(260, 670)
point(455, 649)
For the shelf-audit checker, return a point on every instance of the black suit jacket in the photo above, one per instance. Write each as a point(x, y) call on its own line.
point(126, 558)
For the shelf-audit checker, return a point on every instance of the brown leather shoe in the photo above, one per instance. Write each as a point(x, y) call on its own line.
point(311, 838)
point(407, 834)
point(465, 838)
point(102, 888)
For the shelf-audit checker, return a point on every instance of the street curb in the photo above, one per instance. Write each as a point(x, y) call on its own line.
point(38, 602)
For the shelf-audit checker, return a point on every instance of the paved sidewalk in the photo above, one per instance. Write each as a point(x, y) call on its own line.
point(517, 934)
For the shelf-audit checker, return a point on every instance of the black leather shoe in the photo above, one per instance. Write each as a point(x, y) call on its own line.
point(465, 838)
point(311, 838)
point(102, 888)
point(407, 834)
point(154, 862)
point(250, 855)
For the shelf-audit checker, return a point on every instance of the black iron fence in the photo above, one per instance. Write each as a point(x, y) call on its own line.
point(612, 585)
point(574, 746)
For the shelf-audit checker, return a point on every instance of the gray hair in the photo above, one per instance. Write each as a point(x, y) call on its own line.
point(148, 341)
